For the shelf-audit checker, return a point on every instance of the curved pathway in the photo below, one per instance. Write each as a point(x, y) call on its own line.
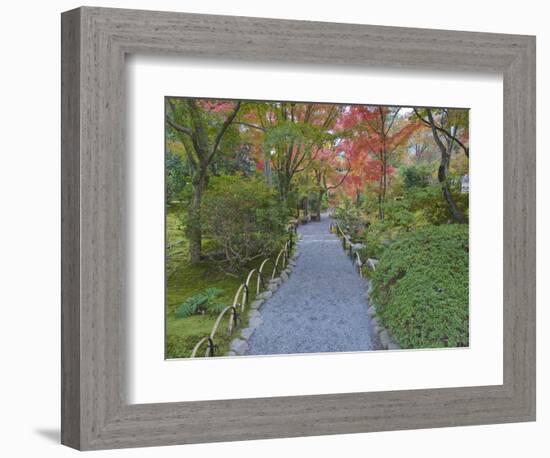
point(321, 307)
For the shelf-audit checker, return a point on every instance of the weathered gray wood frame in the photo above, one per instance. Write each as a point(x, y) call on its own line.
point(95, 413)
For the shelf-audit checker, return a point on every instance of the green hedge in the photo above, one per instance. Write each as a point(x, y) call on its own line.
point(420, 287)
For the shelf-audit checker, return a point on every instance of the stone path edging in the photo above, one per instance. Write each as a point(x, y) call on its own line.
point(321, 308)
point(384, 336)
point(239, 345)
point(386, 339)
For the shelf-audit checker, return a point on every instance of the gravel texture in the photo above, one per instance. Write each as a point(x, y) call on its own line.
point(321, 307)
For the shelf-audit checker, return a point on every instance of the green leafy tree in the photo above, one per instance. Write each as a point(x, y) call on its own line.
point(201, 126)
point(290, 134)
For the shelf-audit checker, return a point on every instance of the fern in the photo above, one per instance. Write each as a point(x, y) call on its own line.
point(212, 293)
point(215, 307)
point(201, 302)
point(190, 306)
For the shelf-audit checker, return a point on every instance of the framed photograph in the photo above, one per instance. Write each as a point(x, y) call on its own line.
point(278, 228)
point(276, 180)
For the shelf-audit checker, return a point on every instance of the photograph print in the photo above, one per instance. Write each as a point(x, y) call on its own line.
point(306, 227)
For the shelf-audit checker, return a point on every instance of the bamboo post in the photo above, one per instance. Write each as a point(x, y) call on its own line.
point(261, 278)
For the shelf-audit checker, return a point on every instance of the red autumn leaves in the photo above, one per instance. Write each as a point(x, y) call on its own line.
point(371, 137)
point(366, 138)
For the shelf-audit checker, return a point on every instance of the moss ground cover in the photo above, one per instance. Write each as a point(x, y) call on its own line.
point(184, 281)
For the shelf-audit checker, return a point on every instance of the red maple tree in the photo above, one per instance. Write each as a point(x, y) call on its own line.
point(371, 136)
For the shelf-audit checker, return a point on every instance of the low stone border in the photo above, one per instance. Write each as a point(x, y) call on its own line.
point(386, 339)
point(239, 345)
point(372, 263)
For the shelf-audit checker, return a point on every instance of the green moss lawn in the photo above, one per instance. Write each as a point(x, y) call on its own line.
point(185, 280)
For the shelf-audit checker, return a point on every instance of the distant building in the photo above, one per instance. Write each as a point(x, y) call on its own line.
point(465, 184)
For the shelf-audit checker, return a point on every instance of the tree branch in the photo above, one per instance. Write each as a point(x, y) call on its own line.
point(252, 126)
point(435, 134)
point(224, 127)
point(343, 178)
point(393, 120)
point(186, 137)
point(465, 148)
point(330, 117)
point(175, 125)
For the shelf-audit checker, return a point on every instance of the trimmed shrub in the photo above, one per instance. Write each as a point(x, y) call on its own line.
point(244, 219)
point(420, 287)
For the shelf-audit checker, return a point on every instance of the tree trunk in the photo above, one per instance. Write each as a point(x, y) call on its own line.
point(319, 201)
point(442, 171)
point(384, 180)
point(267, 168)
point(194, 231)
point(442, 177)
point(284, 187)
point(380, 197)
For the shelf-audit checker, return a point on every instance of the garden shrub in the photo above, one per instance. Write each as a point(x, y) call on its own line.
point(352, 219)
point(177, 176)
point(419, 207)
point(420, 287)
point(244, 219)
point(429, 200)
point(399, 218)
point(417, 176)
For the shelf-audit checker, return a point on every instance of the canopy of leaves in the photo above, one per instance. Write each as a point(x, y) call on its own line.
point(371, 137)
point(197, 125)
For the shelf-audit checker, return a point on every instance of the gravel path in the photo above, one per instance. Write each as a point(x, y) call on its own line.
point(322, 306)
